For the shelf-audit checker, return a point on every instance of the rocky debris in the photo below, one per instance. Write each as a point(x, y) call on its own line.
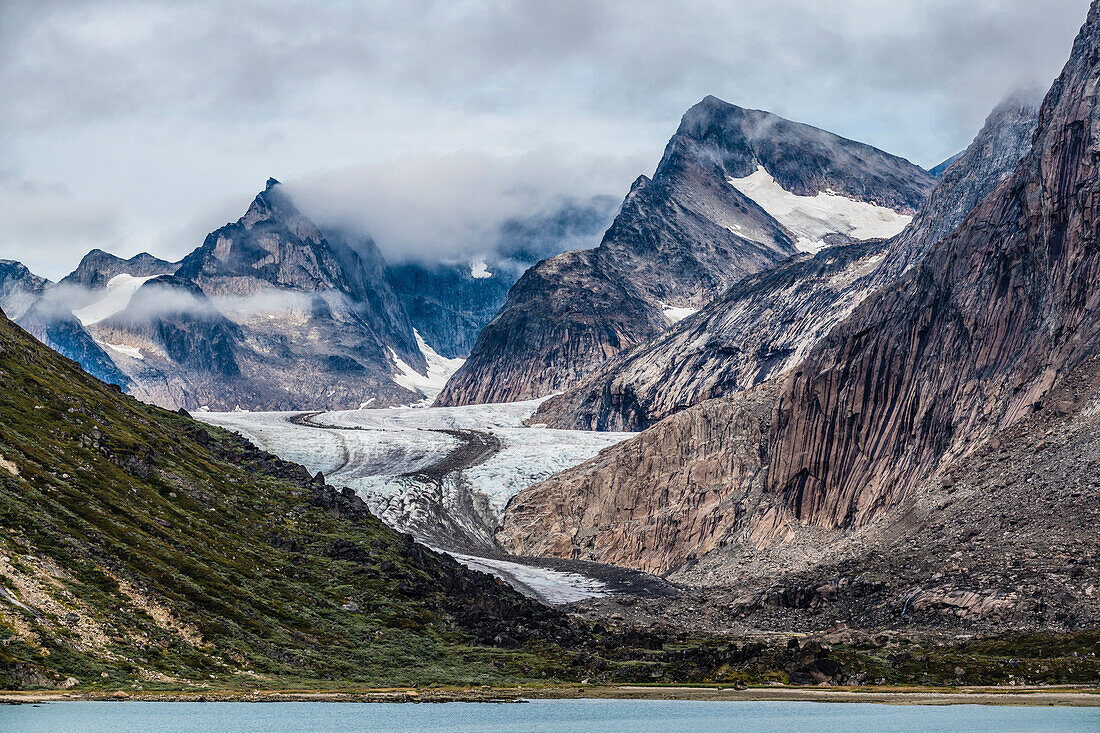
point(767, 323)
point(680, 239)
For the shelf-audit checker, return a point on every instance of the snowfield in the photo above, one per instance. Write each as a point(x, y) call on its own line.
point(812, 218)
point(440, 369)
point(382, 453)
point(120, 289)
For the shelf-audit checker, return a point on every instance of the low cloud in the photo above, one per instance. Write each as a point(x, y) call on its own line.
point(168, 109)
point(433, 207)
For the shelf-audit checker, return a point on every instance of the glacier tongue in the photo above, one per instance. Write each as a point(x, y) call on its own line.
point(413, 468)
point(812, 218)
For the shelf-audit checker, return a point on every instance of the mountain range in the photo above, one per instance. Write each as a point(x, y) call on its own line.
point(930, 460)
point(736, 192)
point(272, 313)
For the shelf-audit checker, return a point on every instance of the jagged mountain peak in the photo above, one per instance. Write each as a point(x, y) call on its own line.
point(97, 268)
point(805, 160)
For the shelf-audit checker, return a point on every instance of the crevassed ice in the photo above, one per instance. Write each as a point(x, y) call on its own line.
point(812, 218)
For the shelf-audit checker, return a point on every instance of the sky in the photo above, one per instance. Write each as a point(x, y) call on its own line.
point(141, 125)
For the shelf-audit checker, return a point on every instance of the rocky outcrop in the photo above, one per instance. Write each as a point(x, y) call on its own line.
point(679, 240)
point(671, 494)
point(768, 323)
point(19, 288)
point(98, 267)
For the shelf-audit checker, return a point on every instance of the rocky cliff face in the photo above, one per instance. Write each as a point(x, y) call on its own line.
point(970, 341)
point(769, 322)
point(958, 375)
point(679, 240)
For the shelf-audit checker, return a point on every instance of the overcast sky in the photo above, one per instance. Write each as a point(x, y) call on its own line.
point(143, 125)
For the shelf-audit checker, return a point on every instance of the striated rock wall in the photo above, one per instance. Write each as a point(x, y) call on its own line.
point(969, 341)
point(671, 494)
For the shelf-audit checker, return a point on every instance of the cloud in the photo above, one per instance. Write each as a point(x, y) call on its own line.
point(41, 225)
point(171, 108)
point(455, 205)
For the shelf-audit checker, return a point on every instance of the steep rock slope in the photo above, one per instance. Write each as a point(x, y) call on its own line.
point(682, 238)
point(767, 323)
point(969, 341)
point(957, 375)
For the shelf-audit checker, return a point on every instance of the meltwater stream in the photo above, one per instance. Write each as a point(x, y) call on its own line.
point(445, 475)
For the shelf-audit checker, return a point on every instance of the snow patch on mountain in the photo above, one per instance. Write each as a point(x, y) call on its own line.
point(812, 218)
point(479, 270)
point(120, 289)
point(675, 315)
point(131, 351)
point(440, 369)
point(552, 586)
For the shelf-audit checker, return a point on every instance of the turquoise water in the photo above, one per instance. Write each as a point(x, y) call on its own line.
point(553, 716)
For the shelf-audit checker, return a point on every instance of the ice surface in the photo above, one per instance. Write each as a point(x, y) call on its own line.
point(120, 289)
point(379, 452)
point(440, 369)
point(811, 218)
point(552, 586)
point(131, 351)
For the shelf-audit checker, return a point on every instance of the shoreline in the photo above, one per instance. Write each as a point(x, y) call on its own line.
point(1002, 696)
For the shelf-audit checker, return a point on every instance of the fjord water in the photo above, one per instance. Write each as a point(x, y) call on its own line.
point(552, 716)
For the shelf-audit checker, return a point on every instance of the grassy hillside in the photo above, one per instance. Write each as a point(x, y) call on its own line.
point(137, 544)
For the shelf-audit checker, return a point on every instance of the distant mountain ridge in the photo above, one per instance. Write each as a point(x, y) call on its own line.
point(767, 323)
point(679, 240)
